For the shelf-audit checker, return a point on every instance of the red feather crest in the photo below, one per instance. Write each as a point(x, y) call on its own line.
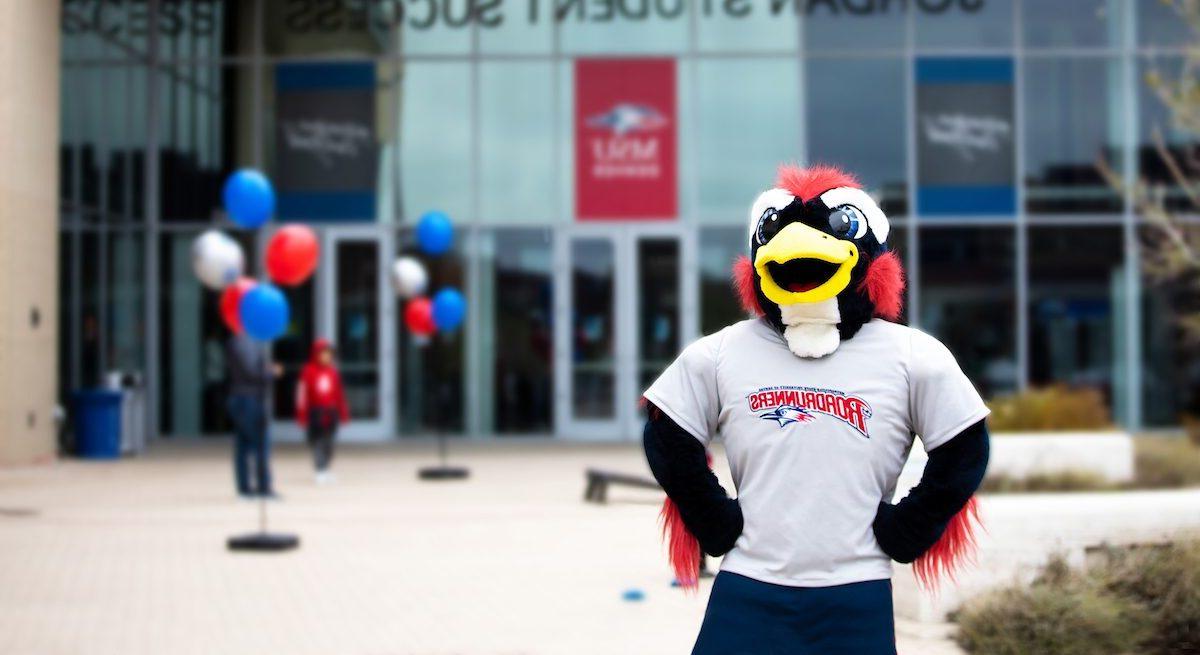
point(808, 183)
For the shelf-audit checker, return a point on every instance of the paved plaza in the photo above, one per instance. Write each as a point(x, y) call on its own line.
point(129, 557)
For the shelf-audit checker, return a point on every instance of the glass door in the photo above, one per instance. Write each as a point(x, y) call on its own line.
point(356, 313)
point(622, 314)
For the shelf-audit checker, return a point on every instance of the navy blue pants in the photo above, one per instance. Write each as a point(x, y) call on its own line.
point(748, 617)
point(251, 446)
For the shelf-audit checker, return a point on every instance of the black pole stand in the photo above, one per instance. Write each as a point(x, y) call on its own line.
point(443, 471)
point(263, 541)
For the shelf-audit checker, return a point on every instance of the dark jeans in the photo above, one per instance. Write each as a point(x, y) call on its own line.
point(322, 428)
point(248, 414)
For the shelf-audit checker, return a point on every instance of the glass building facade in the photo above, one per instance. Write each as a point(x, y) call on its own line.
point(977, 123)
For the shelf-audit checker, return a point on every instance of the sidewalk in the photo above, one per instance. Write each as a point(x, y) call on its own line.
point(129, 558)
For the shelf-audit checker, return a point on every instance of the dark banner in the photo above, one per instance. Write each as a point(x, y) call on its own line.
point(625, 160)
point(965, 132)
point(326, 151)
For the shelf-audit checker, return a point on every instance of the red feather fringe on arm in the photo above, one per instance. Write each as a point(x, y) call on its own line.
point(955, 548)
point(683, 549)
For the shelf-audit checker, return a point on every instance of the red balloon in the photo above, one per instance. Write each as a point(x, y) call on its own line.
point(418, 316)
point(292, 254)
point(230, 297)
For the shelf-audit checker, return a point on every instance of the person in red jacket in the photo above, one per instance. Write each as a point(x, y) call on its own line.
point(321, 405)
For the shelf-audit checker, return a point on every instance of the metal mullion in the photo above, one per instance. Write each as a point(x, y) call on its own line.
point(151, 200)
point(912, 244)
point(473, 369)
point(1132, 354)
point(1021, 232)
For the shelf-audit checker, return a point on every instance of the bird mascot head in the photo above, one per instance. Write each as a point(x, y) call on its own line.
point(819, 265)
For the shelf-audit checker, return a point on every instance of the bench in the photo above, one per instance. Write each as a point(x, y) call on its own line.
point(598, 482)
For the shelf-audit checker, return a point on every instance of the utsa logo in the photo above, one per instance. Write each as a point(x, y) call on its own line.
point(788, 405)
point(628, 117)
point(788, 415)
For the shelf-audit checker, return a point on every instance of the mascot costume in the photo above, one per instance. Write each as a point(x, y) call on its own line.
point(817, 400)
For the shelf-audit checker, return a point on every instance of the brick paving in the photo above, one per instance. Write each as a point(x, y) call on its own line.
point(128, 557)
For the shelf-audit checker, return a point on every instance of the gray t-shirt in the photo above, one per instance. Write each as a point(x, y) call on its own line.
point(815, 444)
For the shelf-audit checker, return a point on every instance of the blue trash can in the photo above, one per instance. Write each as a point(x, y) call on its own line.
point(97, 423)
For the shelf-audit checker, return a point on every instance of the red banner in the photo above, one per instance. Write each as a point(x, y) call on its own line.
point(625, 153)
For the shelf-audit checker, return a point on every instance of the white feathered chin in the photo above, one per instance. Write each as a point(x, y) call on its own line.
point(811, 328)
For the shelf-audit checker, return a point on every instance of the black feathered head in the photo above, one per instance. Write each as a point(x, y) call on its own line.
point(818, 257)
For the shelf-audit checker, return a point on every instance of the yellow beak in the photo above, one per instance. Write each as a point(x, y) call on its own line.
point(799, 241)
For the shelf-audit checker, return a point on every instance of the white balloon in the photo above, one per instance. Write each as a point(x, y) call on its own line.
point(217, 259)
point(409, 277)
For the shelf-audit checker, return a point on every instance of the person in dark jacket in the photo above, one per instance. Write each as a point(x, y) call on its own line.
point(250, 378)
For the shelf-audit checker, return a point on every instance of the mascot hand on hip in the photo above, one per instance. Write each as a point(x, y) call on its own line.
point(817, 399)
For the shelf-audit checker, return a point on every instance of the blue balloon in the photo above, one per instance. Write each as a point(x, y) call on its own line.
point(249, 198)
point(435, 234)
point(264, 312)
point(449, 309)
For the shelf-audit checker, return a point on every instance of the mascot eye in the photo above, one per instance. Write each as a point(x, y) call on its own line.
point(768, 226)
point(847, 221)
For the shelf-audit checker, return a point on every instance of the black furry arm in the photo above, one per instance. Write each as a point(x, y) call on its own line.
point(954, 471)
point(680, 466)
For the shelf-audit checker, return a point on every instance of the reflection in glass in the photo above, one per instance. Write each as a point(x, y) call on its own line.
point(1072, 23)
point(1170, 363)
point(743, 134)
point(516, 142)
point(1069, 125)
point(973, 24)
point(1073, 293)
point(719, 305)
point(366, 28)
point(968, 295)
point(846, 127)
point(659, 300)
point(435, 142)
point(521, 289)
point(356, 315)
point(837, 28)
point(206, 134)
point(747, 26)
point(102, 150)
point(1154, 116)
point(125, 329)
point(1160, 25)
point(593, 340)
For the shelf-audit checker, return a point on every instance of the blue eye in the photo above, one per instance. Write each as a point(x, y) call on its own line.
point(768, 226)
point(847, 221)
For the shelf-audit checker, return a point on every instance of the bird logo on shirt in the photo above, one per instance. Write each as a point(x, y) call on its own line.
point(786, 415)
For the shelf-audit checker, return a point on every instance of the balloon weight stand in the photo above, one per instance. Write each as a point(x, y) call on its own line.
point(263, 541)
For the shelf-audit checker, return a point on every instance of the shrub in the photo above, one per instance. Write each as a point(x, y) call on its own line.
point(1045, 482)
point(1165, 463)
point(1042, 620)
point(1137, 601)
point(1051, 408)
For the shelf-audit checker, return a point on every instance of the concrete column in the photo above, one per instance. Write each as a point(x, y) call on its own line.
point(29, 109)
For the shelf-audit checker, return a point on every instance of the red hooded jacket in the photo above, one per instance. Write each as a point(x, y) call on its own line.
point(320, 386)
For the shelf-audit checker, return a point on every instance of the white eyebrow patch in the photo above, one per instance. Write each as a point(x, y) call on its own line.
point(770, 199)
point(845, 195)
